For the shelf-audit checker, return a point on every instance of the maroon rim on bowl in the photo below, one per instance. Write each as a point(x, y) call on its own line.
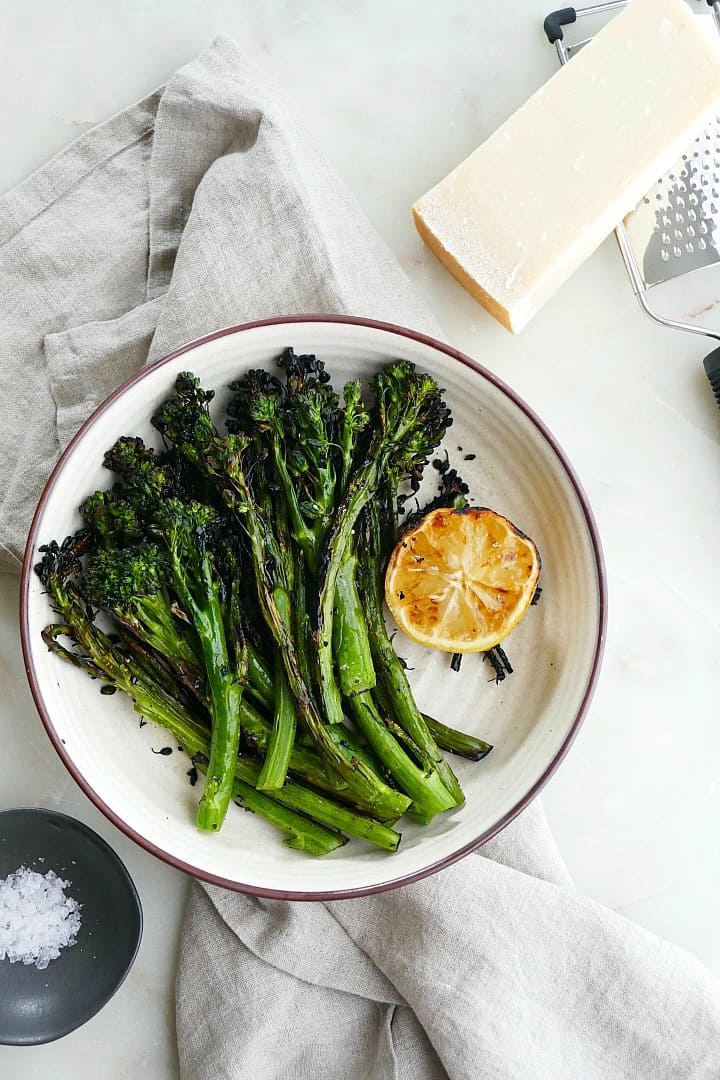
point(391, 883)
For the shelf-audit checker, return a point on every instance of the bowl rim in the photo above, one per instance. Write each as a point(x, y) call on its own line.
point(506, 818)
point(88, 833)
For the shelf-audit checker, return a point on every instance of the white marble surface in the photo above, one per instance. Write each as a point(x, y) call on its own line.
point(397, 94)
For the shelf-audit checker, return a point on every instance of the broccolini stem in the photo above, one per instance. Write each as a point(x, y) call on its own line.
point(396, 689)
point(194, 740)
point(360, 489)
point(457, 742)
point(411, 420)
point(224, 693)
point(282, 737)
point(368, 792)
point(51, 636)
point(321, 809)
point(350, 639)
point(357, 678)
point(162, 671)
point(350, 748)
point(157, 625)
point(304, 536)
point(363, 784)
point(260, 680)
point(301, 623)
point(200, 596)
point(305, 762)
point(354, 420)
point(302, 833)
point(427, 791)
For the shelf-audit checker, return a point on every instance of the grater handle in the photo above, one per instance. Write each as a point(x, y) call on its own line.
point(553, 25)
point(711, 364)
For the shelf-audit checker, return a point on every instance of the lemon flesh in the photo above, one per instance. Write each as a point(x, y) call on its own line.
point(461, 580)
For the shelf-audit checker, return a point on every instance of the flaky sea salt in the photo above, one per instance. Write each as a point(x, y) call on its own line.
point(37, 919)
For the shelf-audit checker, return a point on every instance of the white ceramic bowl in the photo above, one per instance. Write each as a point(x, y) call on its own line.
point(530, 718)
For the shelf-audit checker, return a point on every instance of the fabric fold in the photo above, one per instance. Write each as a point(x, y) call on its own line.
point(272, 230)
point(40, 191)
point(199, 120)
point(81, 360)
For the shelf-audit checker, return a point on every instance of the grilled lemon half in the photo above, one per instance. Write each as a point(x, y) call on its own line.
point(461, 580)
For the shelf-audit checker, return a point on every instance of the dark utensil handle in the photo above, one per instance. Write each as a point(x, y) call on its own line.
point(711, 363)
point(553, 25)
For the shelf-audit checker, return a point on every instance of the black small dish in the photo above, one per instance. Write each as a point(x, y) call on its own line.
point(40, 1006)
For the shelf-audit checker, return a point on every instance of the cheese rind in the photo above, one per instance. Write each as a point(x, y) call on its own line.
point(521, 213)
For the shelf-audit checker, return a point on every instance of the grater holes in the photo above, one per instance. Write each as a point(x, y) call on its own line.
point(675, 229)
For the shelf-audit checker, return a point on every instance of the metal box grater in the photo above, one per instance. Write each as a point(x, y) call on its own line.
point(671, 242)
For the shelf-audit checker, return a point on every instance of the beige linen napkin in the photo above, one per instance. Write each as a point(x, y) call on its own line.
point(202, 206)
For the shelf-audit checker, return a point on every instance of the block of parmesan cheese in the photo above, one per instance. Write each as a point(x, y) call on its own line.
point(518, 216)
